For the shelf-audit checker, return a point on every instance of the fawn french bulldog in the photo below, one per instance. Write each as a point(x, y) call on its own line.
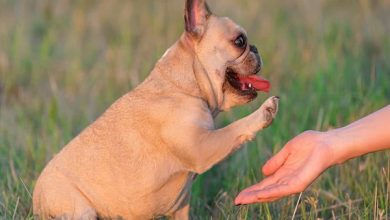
point(138, 160)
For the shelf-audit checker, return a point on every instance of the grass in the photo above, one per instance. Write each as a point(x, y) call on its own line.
point(62, 63)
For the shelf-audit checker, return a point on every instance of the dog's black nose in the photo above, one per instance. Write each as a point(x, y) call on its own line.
point(253, 49)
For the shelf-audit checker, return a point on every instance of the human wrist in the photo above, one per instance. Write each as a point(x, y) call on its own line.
point(338, 146)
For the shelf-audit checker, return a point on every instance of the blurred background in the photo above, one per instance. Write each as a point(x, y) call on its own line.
point(62, 63)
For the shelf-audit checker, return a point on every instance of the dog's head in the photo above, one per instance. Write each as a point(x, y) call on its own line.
point(223, 50)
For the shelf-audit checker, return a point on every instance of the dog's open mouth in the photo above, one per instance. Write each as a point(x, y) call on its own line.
point(247, 85)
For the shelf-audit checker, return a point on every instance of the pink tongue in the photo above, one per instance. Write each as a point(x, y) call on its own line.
point(257, 82)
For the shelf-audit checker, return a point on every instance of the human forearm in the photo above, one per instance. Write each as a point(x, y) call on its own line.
point(369, 134)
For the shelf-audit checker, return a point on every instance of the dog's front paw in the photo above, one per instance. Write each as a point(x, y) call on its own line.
point(268, 110)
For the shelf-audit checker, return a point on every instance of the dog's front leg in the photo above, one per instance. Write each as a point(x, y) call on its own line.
point(182, 214)
point(218, 144)
point(203, 148)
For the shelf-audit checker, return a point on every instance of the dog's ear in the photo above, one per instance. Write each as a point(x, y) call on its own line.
point(196, 13)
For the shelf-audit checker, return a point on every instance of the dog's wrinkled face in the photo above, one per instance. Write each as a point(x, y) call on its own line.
point(223, 49)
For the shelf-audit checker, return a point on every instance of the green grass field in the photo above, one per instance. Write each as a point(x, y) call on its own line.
point(62, 63)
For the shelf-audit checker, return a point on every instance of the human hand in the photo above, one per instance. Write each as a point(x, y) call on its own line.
point(292, 169)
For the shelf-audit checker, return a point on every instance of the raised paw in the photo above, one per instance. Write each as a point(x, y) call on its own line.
point(268, 110)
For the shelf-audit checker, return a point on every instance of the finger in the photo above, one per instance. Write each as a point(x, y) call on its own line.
point(268, 199)
point(264, 183)
point(281, 174)
point(251, 197)
point(273, 164)
point(248, 197)
point(276, 191)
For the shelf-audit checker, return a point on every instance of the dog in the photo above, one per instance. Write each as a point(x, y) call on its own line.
point(138, 160)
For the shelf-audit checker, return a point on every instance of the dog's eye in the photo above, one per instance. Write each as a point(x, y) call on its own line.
point(240, 41)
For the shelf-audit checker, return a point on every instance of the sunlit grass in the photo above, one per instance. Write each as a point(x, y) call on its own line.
point(62, 63)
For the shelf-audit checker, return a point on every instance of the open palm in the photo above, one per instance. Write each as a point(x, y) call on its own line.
point(291, 170)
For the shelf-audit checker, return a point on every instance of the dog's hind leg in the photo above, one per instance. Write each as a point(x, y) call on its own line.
point(89, 214)
point(55, 198)
point(67, 209)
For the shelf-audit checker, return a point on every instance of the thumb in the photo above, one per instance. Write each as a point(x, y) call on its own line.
point(273, 164)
